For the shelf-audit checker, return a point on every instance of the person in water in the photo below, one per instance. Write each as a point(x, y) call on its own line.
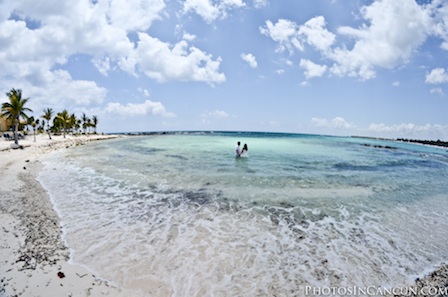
point(238, 149)
point(244, 151)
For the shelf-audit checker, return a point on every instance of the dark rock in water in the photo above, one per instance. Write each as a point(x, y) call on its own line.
point(178, 157)
point(61, 274)
point(380, 146)
point(200, 197)
point(286, 204)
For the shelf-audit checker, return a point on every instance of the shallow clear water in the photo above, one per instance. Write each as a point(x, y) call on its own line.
point(179, 215)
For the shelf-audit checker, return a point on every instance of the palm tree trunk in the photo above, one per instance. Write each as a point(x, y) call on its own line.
point(16, 131)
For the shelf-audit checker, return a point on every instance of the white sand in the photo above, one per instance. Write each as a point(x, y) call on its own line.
point(31, 250)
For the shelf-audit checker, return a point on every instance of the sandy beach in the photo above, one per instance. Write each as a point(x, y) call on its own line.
point(34, 260)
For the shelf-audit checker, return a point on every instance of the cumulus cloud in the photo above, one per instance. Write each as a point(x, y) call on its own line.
point(250, 59)
point(65, 91)
point(260, 3)
point(210, 11)
point(439, 11)
point(437, 76)
point(163, 62)
point(409, 130)
point(284, 32)
point(394, 29)
point(312, 69)
point(138, 109)
point(38, 39)
point(336, 123)
point(315, 33)
point(390, 33)
point(291, 36)
point(134, 15)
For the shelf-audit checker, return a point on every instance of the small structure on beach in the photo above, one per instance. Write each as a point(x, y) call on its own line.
point(5, 124)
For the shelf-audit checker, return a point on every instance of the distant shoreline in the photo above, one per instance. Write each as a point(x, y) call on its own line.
point(438, 142)
point(425, 142)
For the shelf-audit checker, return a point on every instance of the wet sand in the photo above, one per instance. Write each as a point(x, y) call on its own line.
point(34, 261)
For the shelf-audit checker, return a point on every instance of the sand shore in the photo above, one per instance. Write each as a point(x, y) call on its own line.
point(34, 261)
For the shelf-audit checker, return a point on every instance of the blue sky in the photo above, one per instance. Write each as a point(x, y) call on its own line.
point(373, 68)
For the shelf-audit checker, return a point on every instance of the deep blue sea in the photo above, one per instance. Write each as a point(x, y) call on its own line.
point(180, 215)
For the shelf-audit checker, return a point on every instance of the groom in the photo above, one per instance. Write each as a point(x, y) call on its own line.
point(238, 149)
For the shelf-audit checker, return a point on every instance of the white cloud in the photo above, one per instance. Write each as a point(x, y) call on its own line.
point(336, 123)
point(392, 31)
point(210, 11)
point(134, 15)
point(291, 36)
point(437, 76)
point(260, 3)
point(58, 90)
point(395, 29)
point(285, 33)
point(189, 37)
point(316, 34)
point(37, 39)
point(396, 84)
point(426, 131)
point(134, 109)
point(250, 59)
point(439, 10)
point(312, 69)
point(163, 62)
point(102, 64)
point(437, 91)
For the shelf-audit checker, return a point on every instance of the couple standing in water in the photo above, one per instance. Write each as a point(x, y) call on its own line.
point(241, 152)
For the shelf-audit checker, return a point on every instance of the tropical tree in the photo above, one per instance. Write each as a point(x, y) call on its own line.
point(48, 114)
point(94, 122)
point(64, 119)
point(33, 123)
point(72, 123)
point(78, 125)
point(84, 120)
point(15, 109)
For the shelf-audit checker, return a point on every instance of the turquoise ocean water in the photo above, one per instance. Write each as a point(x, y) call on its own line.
point(179, 215)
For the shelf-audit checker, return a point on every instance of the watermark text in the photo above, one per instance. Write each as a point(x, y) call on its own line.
point(374, 291)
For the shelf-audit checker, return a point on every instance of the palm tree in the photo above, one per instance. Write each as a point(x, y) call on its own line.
point(72, 123)
point(84, 120)
point(33, 123)
point(64, 117)
point(48, 114)
point(14, 110)
point(89, 124)
point(94, 122)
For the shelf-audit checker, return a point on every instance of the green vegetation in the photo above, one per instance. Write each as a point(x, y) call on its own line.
point(16, 112)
